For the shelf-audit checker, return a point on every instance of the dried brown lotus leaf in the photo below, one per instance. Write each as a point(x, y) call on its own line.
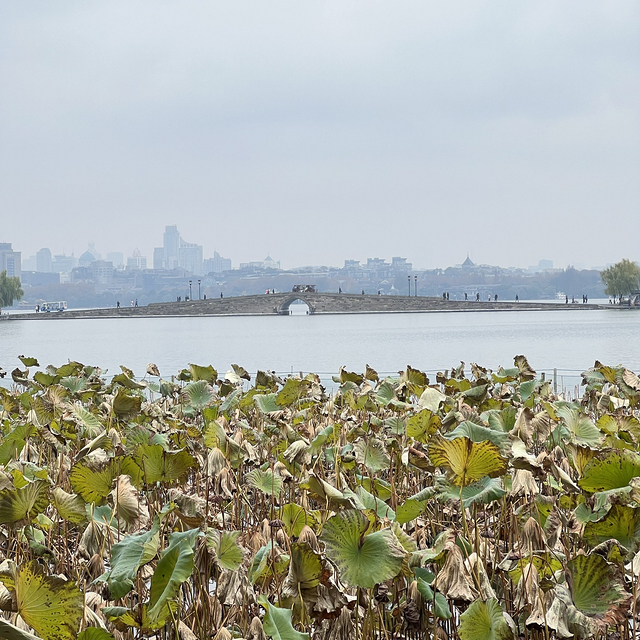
point(524, 484)
point(452, 580)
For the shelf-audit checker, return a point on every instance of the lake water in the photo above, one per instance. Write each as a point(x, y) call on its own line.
point(567, 340)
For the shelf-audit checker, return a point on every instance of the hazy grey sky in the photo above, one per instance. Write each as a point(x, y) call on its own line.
point(319, 131)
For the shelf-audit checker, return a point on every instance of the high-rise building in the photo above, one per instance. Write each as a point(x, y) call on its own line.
point(190, 257)
point(44, 261)
point(158, 258)
point(217, 264)
point(137, 261)
point(10, 260)
point(177, 253)
point(171, 244)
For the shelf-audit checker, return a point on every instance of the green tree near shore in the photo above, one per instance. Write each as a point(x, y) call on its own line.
point(621, 278)
point(10, 290)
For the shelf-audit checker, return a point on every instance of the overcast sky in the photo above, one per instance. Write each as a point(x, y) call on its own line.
point(318, 131)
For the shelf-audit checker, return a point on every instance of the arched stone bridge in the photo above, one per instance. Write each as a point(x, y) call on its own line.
point(318, 303)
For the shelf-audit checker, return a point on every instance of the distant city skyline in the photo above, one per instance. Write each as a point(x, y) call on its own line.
point(151, 263)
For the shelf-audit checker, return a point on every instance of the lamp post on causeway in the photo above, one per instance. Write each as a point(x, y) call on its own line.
point(409, 281)
point(198, 289)
point(416, 285)
point(190, 296)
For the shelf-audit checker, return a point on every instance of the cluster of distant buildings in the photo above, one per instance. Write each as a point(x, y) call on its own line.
point(178, 268)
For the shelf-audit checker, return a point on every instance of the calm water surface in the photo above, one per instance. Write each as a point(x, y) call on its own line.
point(570, 341)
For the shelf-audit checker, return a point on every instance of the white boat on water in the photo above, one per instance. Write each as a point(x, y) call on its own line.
point(561, 295)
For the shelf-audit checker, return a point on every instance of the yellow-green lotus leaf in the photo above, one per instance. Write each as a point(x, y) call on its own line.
point(595, 585)
point(51, 605)
point(484, 621)
point(621, 524)
point(612, 470)
point(25, 502)
point(467, 461)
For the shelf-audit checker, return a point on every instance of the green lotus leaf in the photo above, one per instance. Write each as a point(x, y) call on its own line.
point(484, 621)
point(595, 585)
point(613, 470)
point(484, 491)
point(501, 420)
point(621, 523)
point(28, 362)
point(127, 382)
point(467, 461)
point(9, 631)
point(478, 433)
point(277, 622)
point(266, 481)
point(25, 502)
point(266, 403)
point(306, 568)
point(268, 561)
point(437, 600)
point(70, 506)
point(74, 384)
point(365, 500)
point(409, 510)
point(362, 560)
point(13, 443)
point(350, 376)
point(372, 454)
point(431, 399)
point(198, 372)
point(126, 405)
point(326, 435)
point(295, 518)
point(224, 544)
point(127, 556)
point(292, 391)
point(385, 393)
point(52, 606)
point(159, 465)
point(198, 395)
point(580, 426)
point(173, 568)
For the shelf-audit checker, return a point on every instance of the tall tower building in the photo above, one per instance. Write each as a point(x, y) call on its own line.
point(171, 244)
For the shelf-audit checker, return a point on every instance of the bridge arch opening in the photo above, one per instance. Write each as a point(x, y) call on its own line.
point(296, 305)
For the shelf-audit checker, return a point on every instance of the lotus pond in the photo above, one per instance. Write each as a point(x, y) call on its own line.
point(477, 505)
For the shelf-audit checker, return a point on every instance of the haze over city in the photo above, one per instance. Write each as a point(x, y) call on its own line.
point(317, 132)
